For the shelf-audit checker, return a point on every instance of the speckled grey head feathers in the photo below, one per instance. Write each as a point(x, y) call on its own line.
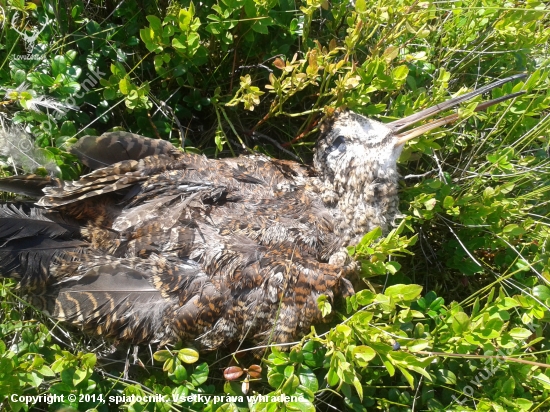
point(356, 160)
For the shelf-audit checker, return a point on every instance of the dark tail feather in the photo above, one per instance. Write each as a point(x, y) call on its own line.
point(31, 240)
point(26, 222)
point(28, 185)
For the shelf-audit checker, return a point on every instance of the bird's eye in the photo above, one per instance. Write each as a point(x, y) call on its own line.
point(338, 144)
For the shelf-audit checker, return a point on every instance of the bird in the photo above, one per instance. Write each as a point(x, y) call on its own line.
point(157, 245)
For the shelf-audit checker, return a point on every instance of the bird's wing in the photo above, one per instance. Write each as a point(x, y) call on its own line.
point(113, 147)
point(28, 185)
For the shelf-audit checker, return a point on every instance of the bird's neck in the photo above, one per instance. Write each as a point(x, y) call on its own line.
point(361, 200)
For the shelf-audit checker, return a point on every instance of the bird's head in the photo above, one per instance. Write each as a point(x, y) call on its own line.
point(349, 140)
point(356, 160)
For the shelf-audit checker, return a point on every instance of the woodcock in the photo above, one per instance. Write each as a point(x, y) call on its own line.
point(158, 245)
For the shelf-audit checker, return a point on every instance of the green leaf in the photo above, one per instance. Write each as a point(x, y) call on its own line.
point(289, 371)
point(506, 188)
point(332, 377)
point(155, 23)
point(460, 323)
point(405, 293)
point(448, 202)
point(541, 292)
point(418, 344)
point(70, 87)
point(393, 267)
point(68, 375)
point(125, 86)
point(445, 376)
point(228, 407)
point(508, 387)
point(363, 355)
point(168, 32)
point(543, 379)
point(532, 80)
point(79, 375)
point(513, 229)
point(179, 375)
point(162, 355)
point(324, 305)
point(118, 70)
point(88, 359)
point(41, 79)
point(261, 25)
point(302, 406)
point(524, 404)
point(193, 40)
point(185, 17)
point(34, 379)
point(59, 65)
point(219, 140)
point(313, 353)
point(177, 44)
point(70, 57)
point(493, 328)
point(109, 94)
point(276, 380)
point(308, 378)
point(520, 333)
point(170, 364)
point(68, 129)
point(358, 387)
point(188, 355)
point(45, 371)
point(407, 375)
point(19, 76)
point(400, 73)
point(200, 374)
point(180, 391)
point(290, 385)
point(390, 53)
point(365, 297)
point(369, 238)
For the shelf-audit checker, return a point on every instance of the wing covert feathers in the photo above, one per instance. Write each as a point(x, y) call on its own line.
point(114, 147)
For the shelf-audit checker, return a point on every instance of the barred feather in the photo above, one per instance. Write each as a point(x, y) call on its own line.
point(110, 148)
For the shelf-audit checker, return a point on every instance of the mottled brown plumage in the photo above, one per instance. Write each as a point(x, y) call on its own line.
point(159, 245)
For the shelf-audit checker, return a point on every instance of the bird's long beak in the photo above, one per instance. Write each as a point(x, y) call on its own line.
point(402, 124)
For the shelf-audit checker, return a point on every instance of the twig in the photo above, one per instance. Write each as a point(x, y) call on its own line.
point(276, 144)
point(467, 356)
point(419, 176)
point(309, 128)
